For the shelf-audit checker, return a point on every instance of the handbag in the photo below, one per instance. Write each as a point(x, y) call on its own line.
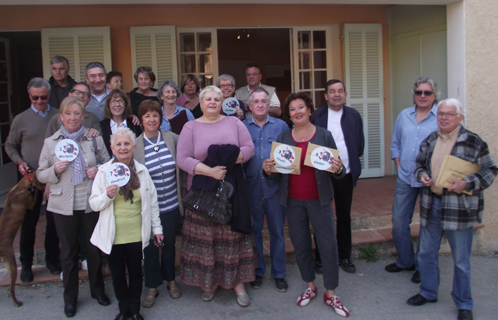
point(214, 206)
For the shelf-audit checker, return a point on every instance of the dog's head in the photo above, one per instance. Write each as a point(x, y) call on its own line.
point(33, 181)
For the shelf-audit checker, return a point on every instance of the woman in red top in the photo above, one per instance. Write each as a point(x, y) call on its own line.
point(308, 197)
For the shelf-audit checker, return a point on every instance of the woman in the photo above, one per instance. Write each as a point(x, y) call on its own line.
point(155, 147)
point(217, 255)
point(117, 114)
point(226, 83)
point(305, 202)
point(127, 216)
point(145, 78)
point(190, 88)
point(70, 183)
point(174, 116)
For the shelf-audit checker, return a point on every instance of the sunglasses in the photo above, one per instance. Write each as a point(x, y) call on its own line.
point(426, 93)
point(36, 98)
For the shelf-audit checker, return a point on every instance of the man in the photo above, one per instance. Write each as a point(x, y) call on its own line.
point(80, 90)
point(95, 76)
point(412, 126)
point(60, 81)
point(253, 77)
point(114, 80)
point(346, 127)
point(447, 210)
point(23, 146)
point(263, 193)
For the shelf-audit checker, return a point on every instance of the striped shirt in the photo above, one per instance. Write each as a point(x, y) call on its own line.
point(162, 170)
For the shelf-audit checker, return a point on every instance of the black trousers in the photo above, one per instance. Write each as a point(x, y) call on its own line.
point(156, 271)
point(28, 233)
point(68, 229)
point(343, 198)
point(122, 257)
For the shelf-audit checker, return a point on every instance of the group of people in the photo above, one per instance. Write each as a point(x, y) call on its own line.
point(174, 140)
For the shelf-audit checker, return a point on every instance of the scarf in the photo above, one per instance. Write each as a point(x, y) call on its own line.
point(127, 190)
point(78, 166)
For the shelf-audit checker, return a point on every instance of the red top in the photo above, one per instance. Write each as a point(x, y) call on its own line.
point(303, 186)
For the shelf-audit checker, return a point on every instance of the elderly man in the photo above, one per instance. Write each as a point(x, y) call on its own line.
point(253, 77)
point(23, 146)
point(346, 127)
point(412, 126)
point(263, 193)
point(448, 210)
point(80, 90)
point(60, 81)
point(114, 80)
point(95, 76)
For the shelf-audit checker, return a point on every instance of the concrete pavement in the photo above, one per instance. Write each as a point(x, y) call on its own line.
point(371, 293)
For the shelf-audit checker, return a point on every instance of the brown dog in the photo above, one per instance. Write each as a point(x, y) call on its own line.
point(19, 198)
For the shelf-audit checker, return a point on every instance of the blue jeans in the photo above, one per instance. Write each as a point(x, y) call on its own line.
point(275, 218)
point(405, 198)
point(461, 244)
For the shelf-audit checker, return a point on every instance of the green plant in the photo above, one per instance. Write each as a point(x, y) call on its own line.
point(369, 254)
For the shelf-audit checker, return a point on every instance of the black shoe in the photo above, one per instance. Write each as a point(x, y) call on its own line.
point(347, 265)
point(122, 316)
point(258, 283)
point(416, 277)
point(393, 267)
point(137, 316)
point(70, 310)
point(464, 314)
point(318, 266)
point(418, 300)
point(280, 284)
point(54, 269)
point(26, 274)
point(103, 300)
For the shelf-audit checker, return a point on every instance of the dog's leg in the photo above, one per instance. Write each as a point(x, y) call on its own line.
point(9, 262)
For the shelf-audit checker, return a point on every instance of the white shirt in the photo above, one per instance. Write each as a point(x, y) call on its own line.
point(334, 126)
point(115, 126)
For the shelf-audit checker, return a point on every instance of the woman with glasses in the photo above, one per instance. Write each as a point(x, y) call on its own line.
point(117, 114)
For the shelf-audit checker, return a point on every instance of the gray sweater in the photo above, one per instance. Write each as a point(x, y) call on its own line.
point(26, 136)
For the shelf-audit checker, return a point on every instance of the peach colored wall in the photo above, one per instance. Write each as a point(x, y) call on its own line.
point(121, 18)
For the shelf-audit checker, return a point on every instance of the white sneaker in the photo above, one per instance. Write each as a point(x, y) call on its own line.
point(336, 304)
point(306, 297)
point(84, 265)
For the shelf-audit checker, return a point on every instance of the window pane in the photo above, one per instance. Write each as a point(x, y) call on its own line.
point(319, 40)
point(187, 42)
point(304, 39)
point(320, 59)
point(3, 71)
point(320, 79)
point(204, 41)
point(188, 63)
point(206, 80)
point(4, 112)
point(304, 60)
point(319, 99)
point(4, 92)
point(304, 80)
point(205, 65)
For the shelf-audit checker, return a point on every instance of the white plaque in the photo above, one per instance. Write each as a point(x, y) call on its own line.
point(67, 149)
point(118, 173)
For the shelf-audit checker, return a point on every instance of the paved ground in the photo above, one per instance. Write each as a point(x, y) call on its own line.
point(370, 294)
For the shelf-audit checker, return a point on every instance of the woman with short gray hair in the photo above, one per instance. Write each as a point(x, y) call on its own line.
point(174, 116)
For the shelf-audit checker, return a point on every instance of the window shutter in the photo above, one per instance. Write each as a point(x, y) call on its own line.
point(79, 45)
point(155, 47)
point(363, 73)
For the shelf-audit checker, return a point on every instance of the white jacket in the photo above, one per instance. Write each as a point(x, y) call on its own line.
point(105, 230)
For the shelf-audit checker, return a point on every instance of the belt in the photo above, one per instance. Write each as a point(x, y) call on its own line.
point(438, 196)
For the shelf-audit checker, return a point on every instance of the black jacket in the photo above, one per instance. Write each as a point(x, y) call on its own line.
point(55, 100)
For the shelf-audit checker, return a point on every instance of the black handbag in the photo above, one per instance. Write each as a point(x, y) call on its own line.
point(215, 206)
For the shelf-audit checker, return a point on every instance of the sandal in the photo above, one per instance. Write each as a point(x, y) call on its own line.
point(150, 298)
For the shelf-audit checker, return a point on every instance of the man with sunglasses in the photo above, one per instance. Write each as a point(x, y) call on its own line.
point(23, 146)
point(95, 76)
point(60, 81)
point(412, 126)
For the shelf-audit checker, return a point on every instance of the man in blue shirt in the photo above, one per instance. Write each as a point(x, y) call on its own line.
point(263, 193)
point(412, 126)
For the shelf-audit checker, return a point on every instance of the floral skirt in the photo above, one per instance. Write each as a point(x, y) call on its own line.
point(212, 254)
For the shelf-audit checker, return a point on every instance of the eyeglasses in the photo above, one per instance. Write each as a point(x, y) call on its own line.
point(225, 86)
point(94, 64)
point(36, 98)
point(447, 115)
point(81, 93)
point(116, 102)
point(426, 93)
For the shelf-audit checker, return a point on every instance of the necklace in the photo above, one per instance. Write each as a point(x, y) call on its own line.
point(156, 147)
point(305, 137)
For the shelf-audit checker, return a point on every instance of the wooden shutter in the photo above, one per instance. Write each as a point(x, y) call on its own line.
point(79, 45)
point(155, 47)
point(363, 75)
